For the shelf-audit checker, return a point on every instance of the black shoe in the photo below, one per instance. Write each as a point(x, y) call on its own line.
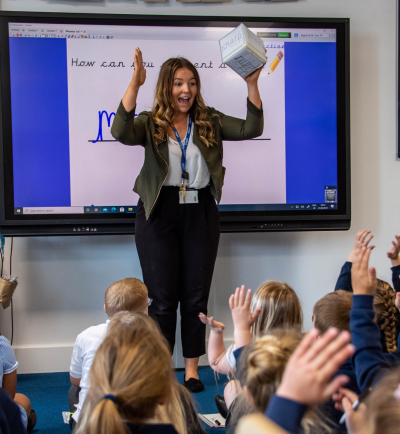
point(194, 385)
point(221, 405)
point(31, 420)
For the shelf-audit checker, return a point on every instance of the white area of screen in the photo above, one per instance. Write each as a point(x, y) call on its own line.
point(104, 172)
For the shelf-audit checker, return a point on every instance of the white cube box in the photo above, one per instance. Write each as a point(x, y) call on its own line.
point(243, 51)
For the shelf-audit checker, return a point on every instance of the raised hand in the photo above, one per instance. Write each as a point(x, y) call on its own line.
point(362, 239)
point(139, 75)
point(307, 378)
point(138, 79)
point(242, 316)
point(363, 279)
point(393, 254)
point(216, 327)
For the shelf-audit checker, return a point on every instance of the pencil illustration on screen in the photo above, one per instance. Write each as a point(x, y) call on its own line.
point(275, 62)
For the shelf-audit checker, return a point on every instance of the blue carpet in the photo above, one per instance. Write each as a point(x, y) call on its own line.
point(49, 397)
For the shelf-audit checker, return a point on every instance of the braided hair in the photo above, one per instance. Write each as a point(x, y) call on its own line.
point(386, 313)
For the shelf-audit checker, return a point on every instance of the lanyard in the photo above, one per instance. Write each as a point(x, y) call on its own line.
point(183, 147)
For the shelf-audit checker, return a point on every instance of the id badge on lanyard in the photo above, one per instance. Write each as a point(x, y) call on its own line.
point(190, 196)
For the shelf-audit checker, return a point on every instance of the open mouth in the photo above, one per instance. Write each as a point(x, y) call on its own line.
point(184, 100)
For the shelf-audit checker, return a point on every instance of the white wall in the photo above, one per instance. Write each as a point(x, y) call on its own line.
point(63, 279)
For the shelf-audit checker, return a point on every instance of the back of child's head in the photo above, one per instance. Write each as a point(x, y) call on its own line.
point(130, 375)
point(280, 308)
point(128, 294)
point(264, 361)
point(383, 404)
point(333, 310)
point(386, 313)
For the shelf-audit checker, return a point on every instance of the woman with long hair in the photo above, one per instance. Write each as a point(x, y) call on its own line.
point(177, 219)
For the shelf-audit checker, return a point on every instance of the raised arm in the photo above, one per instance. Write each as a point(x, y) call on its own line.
point(216, 347)
point(126, 128)
point(369, 362)
point(252, 87)
point(138, 79)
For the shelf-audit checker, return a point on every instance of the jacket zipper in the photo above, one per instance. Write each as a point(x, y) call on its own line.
point(159, 191)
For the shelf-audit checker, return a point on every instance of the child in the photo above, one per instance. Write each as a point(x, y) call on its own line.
point(131, 376)
point(278, 307)
point(379, 413)
point(307, 379)
point(369, 362)
point(129, 294)
point(179, 409)
point(8, 381)
point(333, 310)
point(388, 317)
point(264, 362)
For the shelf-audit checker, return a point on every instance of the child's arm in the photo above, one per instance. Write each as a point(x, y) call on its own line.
point(216, 347)
point(10, 383)
point(75, 370)
point(344, 280)
point(368, 360)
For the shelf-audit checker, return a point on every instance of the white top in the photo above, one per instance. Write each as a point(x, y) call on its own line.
point(199, 175)
point(8, 363)
point(230, 357)
point(85, 348)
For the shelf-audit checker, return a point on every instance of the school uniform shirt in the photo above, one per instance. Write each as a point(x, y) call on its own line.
point(7, 357)
point(153, 428)
point(86, 345)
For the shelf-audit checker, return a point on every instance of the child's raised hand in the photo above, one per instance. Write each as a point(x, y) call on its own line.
point(363, 279)
point(307, 378)
point(239, 303)
point(362, 239)
point(393, 254)
point(242, 316)
point(216, 327)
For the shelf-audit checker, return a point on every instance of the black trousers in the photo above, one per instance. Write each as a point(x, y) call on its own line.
point(177, 249)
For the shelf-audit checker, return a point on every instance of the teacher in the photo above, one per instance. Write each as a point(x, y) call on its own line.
point(177, 219)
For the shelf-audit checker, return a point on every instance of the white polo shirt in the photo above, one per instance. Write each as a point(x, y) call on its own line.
point(85, 348)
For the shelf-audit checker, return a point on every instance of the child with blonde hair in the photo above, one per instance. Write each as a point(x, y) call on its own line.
point(274, 305)
point(128, 294)
point(263, 364)
point(131, 380)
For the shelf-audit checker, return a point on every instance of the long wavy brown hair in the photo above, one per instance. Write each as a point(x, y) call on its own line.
point(164, 107)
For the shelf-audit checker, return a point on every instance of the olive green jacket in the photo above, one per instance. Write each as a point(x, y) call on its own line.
point(140, 130)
